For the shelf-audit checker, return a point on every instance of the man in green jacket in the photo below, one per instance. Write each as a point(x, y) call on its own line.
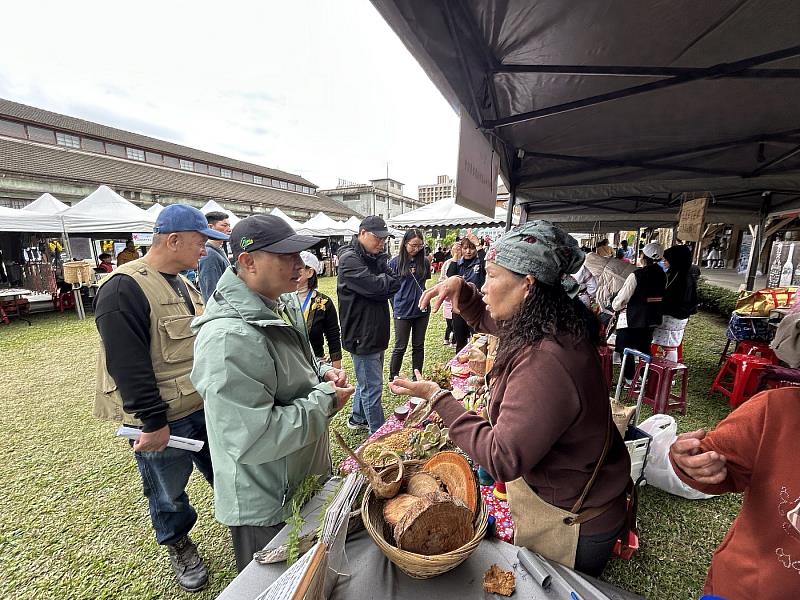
point(268, 399)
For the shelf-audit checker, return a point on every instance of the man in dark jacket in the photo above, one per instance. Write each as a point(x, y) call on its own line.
point(364, 286)
point(214, 263)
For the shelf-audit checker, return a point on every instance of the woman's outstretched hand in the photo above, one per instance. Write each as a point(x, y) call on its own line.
point(402, 386)
point(445, 290)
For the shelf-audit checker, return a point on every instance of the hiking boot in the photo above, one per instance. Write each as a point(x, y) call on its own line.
point(354, 425)
point(189, 569)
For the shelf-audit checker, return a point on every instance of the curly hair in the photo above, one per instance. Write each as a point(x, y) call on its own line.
point(547, 312)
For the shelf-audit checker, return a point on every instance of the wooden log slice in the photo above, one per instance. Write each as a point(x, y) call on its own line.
point(422, 483)
point(437, 525)
point(454, 472)
point(395, 508)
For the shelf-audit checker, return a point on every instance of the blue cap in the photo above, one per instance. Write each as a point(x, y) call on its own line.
point(182, 217)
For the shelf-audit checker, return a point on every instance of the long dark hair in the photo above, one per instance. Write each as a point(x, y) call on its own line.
point(547, 312)
point(405, 261)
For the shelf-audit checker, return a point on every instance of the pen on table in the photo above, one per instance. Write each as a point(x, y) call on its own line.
point(574, 596)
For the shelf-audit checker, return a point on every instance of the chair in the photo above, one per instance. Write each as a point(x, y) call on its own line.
point(745, 347)
point(658, 388)
point(63, 301)
point(658, 350)
point(738, 377)
point(606, 354)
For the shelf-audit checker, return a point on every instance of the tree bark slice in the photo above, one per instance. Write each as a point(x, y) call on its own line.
point(438, 524)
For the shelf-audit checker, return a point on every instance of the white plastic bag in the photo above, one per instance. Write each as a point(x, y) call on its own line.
point(658, 471)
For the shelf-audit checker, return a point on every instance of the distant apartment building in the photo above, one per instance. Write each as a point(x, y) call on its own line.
point(42, 151)
point(445, 187)
point(383, 197)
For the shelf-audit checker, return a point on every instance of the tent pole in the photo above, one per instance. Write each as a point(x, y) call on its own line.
point(512, 200)
point(66, 239)
point(758, 240)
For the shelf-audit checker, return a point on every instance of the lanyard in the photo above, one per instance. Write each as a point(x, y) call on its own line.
point(305, 302)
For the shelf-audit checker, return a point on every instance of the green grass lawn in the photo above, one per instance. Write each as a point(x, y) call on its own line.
point(74, 523)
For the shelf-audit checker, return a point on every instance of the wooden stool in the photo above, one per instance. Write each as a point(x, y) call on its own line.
point(736, 379)
point(658, 388)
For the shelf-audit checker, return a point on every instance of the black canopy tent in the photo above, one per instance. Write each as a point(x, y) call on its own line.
point(609, 111)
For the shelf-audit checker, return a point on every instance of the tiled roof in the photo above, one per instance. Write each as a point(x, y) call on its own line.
point(54, 162)
point(35, 115)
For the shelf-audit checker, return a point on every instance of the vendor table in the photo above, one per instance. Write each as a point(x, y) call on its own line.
point(374, 576)
point(504, 523)
point(9, 306)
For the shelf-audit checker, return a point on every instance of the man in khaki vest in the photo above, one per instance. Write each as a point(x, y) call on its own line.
point(143, 311)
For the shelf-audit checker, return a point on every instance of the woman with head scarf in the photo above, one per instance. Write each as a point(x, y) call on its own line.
point(680, 299)
point(549, 433)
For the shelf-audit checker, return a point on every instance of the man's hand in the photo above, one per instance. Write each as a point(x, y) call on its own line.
point(337, 376)
point(704, 467)
point(155, 441)
point(402, 386)
point(446, 290)
point(343, 395)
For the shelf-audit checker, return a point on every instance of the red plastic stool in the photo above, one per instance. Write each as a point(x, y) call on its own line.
point(654, 350)
point(737, 378)
point(757, 347)
point(658, 389)
point(63, 301)
point(606, 354)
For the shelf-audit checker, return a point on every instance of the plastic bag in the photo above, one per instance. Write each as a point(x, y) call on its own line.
point(658, 471)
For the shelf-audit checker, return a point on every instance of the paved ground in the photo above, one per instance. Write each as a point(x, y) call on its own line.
point(730, 279)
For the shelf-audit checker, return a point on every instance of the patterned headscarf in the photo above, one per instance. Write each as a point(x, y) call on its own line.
point(541, 249)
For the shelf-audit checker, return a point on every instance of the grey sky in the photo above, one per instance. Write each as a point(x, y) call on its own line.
point(319, 88)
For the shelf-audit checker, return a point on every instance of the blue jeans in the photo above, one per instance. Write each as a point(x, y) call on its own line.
point(369, 389)
point(165, 475)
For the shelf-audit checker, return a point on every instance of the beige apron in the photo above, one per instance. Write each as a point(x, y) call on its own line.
point(551, 531)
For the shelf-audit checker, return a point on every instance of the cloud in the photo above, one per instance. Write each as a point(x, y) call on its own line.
point(318, 88)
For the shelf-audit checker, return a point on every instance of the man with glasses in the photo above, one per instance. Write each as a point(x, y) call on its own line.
point(365, 285)
point(269, 400)
point(214, 263)
point(143, 312)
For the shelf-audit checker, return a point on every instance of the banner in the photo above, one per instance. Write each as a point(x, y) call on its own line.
point(690, 224)
point(478, 167)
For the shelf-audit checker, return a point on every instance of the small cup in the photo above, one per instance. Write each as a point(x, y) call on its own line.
point(401, 412)
point(415, 401)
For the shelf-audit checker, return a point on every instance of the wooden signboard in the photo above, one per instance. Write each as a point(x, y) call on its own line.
point(693, 214)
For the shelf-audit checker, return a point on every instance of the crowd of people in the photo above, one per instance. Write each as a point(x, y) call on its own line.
point(250, 364)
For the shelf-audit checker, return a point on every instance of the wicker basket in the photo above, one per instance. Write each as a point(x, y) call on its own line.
point(77, 271)
point(414, 565)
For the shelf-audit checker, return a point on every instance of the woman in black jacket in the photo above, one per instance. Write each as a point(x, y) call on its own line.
point(320, 313)
point(680, 299)
point(472, 269)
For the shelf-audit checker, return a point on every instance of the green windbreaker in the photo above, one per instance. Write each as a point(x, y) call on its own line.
point(267, 409)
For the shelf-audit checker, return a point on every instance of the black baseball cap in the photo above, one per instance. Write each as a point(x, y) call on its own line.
point(270, 234)
point(375, 225)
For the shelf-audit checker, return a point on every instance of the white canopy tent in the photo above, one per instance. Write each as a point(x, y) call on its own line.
point(155, 209)
point(212, 206)
point(446, 213)
point(323, 226)
point(105, 211)
point(46, 204)
point(17, 220)
point(292, 223)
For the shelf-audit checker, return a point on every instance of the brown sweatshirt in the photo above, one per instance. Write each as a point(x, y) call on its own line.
point(549, 414)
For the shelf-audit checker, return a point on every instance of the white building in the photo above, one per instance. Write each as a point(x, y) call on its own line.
point(445, 187)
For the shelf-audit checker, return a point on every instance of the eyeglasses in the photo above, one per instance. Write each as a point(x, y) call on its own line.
point(415, 246)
